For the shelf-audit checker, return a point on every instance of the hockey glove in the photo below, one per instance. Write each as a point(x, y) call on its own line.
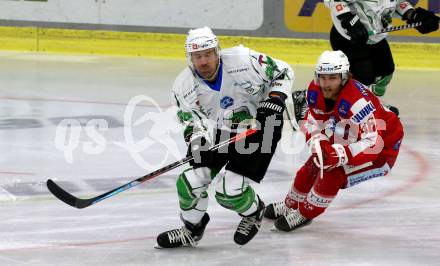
point(199, 147)
point(355, 29)
point(334, 155)
point(428, 19)
point(268, 108)
point(270, 116)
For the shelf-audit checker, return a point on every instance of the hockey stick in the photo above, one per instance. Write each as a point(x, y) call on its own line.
point(320, 158)
point(73, 201)
point(395, 28)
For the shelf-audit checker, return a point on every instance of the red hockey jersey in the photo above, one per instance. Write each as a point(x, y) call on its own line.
point(357, 120)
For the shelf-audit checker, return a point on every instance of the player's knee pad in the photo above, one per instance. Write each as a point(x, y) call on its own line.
point(305, 177)
point(233, 192)
point(192, 185)
point(380, 86)
point(331, 183)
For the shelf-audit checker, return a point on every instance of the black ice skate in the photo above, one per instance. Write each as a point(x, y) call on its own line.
point(249, 225)
point(187, 236)
point(275, 210)
point(291, 221)
point(299, 104)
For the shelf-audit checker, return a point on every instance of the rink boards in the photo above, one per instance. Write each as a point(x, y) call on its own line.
point(162, 45)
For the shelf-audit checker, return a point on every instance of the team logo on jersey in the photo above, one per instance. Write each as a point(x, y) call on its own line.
point(361, 87)
point(226, 101)
point(366, 111)
point(343, 108)
point(312, 97)
point(249, 88)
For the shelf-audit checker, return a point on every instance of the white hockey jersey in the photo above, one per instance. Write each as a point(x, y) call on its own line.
point(245, 78)
point(374, 14)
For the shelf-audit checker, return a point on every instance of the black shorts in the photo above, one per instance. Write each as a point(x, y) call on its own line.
point(253, 165)
point(367, 61)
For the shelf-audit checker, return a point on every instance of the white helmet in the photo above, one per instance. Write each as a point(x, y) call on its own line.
point(331, 62)
point(200, 39)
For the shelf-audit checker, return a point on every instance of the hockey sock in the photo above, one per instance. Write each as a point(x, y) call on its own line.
point(322, 194)
point(379, 88)
point(304, 180)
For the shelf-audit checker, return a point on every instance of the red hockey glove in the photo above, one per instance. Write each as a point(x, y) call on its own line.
point(334, 155)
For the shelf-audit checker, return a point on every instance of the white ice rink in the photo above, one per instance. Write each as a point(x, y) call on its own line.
point(392, 220)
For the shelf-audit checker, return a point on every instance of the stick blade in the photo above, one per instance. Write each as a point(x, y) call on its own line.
point(64, 196)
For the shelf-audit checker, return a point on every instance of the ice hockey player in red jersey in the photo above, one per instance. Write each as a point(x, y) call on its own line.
point(369, 54)
point(352, 138)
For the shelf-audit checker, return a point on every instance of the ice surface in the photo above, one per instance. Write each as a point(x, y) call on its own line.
point(386, 221)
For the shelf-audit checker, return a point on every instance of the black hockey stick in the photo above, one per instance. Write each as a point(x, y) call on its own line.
point(73, 201)
point(395, 28)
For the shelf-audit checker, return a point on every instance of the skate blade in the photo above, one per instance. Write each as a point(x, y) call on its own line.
point(239, 246)
point(184, 246)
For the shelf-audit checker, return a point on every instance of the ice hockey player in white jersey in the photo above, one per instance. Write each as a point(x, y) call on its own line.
point(222, 91)
point(370, 56)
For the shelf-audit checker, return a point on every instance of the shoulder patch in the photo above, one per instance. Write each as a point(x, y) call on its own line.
point(343, 108)
point(312, 98)
point(361, 87)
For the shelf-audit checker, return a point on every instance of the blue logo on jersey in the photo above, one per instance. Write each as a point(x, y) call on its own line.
point(343, 108)
point(226, 101)
point(361, 87)
point(312, 97)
